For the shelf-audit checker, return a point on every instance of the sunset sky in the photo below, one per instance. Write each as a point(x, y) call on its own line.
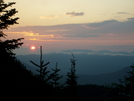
point(74, 24)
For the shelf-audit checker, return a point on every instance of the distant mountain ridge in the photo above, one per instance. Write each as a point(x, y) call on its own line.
point(99, 79)
point(87, 64)
point(103, 79)
point(96, 68)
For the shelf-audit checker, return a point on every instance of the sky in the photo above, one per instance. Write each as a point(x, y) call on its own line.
point(58, 25)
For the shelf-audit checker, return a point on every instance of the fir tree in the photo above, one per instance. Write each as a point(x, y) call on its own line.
point(7, 46)
point(123, 91)
point(127, 86)
point(43, 72)
point(13, 74)
point(6, 20)
point(71, 82)
point(56, 77)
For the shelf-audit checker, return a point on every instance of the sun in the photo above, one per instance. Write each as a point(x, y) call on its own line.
point(32, 47)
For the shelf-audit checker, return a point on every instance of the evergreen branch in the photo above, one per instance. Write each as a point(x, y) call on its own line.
point(35, 64)
point(42, 63)
point(45, 73)
point(45, 64)
point(44, 69)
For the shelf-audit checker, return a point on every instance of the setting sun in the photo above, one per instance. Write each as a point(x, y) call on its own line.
point(32, 47)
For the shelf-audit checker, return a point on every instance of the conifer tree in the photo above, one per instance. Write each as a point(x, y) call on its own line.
point(7, 46)
point(123, 91)
point(13, 74)
point(43, 72)
point(6, 20)
point(71, 82)
point(56, 77)
point(127, 86)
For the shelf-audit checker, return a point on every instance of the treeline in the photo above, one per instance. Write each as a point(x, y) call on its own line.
point(18, 82)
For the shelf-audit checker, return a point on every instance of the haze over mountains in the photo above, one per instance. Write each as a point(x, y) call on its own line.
point(89, 65)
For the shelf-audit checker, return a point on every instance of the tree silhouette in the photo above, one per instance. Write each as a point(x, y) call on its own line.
point(123, 91)
point(71, 82)
point(13, 74)
point(56, 77)
point(43, 72)
point(127, 87)
point(7, 46)
point(6, 20)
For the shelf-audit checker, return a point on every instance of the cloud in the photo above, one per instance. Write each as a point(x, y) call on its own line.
point(106, 33)
point(34, 39)
point(103, 23)
point(113, 26)
point(102, 52)
point(97, 29)
point(72, 14)
point(29, 35)
point(57, 30)
point(123, 13)
point(50, 16)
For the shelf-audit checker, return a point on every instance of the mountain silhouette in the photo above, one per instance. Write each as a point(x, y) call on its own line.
point(106, 78)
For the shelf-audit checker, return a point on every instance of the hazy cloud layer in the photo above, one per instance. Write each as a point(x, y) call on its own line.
point(108, 27)
point(108, 33)
point(72, 14)
point(102, 52)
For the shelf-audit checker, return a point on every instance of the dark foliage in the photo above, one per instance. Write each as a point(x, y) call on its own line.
point(92, 92)
point(71, 82)
point(56, 77)
point(123, 91)
point(13, 74)
point(6, 20)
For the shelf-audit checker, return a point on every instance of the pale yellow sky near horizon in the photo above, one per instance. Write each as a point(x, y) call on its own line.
point(53, 12)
